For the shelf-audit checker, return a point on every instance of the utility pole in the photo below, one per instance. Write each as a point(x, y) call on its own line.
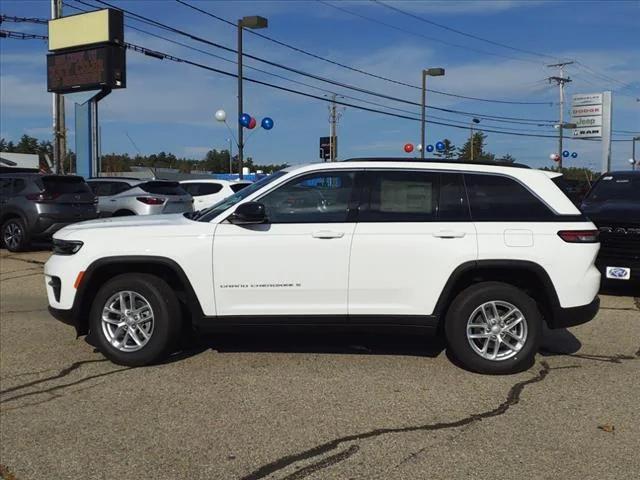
point(334, 118)
point(633, 152)
point(59, 128)
point(560, 80)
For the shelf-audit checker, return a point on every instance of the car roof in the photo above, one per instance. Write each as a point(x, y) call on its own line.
point(214, 180)
point(633, 173)
point(435, 160)
point(129, 180)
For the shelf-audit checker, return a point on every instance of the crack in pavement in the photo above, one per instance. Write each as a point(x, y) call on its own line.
point(25, 311)
point(20, 270)
point(20, 276)
point(62, 373)
point(324, 463)
point(513, 398)
point(59, 387)
point(26, 260)
point(53, 396)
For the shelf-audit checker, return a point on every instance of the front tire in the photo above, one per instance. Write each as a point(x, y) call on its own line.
point(135, 319)
point(14, 235)
point(494, 328)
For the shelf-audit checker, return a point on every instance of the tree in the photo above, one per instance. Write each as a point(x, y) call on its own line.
point(449, 151)
point(479, 153)
point(507, 158)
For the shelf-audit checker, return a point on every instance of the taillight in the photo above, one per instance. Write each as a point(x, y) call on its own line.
point(579, 236)
point(42, 197)
point(151, 200)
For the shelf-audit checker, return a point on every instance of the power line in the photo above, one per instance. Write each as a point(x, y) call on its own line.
point(10, 18)
point(354, 69)
point(433, 39)
point(21, 35)
point(460, 32)
point(161, 25)
point(476, 37)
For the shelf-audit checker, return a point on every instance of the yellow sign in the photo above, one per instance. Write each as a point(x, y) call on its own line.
point(86, 29)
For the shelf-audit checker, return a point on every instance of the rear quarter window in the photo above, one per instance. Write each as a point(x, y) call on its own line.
point(495, 198)
point(236, 187)
point(203, 188)
point(163, 188)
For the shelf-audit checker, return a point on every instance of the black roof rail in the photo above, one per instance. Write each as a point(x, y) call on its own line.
point(436, 160)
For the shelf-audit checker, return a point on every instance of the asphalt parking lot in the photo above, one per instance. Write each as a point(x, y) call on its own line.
point(313, 406)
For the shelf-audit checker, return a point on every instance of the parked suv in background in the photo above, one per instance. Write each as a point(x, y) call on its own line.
point(613, 204)
point(120, 197)
point(208, 192)
point(33, 206)
point(483, 254)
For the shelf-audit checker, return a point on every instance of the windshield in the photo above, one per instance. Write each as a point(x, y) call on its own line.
point(616, 187)
point(210, 213)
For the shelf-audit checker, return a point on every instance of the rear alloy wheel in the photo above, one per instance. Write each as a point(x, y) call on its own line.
point(493, 327)
point(135, 319)
point(14, 235)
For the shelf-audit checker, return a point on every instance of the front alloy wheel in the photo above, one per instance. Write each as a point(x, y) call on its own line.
point(127, 321)
point(135, 319)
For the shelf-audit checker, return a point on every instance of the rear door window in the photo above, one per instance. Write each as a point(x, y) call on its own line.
point(5, 186)
point(401, 196)
point(496, 198)
point(163, 188)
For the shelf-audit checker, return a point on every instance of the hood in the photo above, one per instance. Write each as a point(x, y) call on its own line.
point(134, 221)
point(620, 211)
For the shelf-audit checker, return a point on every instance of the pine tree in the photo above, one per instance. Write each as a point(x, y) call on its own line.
point(479, 153)
point(449, 151)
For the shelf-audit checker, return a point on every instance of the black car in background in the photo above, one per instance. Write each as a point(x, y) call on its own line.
point(34, 206)
point(613, 204)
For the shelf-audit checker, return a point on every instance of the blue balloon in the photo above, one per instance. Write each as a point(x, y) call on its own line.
point(565, 153)
point(429, 148)
point(574, 155)
point(245, 118)
point(439, 146)
point(267, 123)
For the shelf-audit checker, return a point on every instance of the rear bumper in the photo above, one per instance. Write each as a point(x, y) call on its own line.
point(570, 317)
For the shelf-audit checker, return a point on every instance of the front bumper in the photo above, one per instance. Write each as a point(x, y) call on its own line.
point(65, 316)
point(570, 317)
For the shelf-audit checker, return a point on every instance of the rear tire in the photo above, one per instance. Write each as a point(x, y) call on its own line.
point(135, 319)
point(494, 328)
point(15, 236)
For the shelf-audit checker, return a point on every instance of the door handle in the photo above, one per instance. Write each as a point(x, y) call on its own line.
point(327, 234)
point(449, 234)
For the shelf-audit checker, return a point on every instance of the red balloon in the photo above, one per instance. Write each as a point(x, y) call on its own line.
point(252, 123)
point(408, 147)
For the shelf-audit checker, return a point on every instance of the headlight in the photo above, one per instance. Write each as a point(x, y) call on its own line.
point(66, 247)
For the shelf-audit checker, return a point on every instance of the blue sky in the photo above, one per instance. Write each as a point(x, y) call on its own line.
point(169, 106)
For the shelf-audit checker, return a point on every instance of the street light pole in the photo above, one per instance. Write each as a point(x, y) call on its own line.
point(230, 154)
point(633, 152)
point(431, 72)
point(253, 22)
point(475, 120)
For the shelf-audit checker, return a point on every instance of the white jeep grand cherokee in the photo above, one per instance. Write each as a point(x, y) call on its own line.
point(483, 254)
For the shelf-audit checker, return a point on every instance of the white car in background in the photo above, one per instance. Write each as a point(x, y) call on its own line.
point(208, 192)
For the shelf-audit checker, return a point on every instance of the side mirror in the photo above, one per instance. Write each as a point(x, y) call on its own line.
point(249, 213)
